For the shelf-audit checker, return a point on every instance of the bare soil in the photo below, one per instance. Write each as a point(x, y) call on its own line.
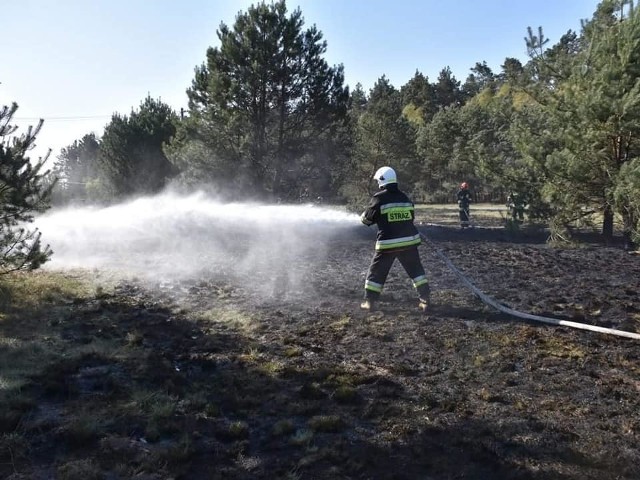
point(208, 381)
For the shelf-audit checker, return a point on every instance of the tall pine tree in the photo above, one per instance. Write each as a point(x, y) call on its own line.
point(24, 191)
point(383, 136)
point(131, 150)
point(589, 92)
point(266, 110)
point(76, 167)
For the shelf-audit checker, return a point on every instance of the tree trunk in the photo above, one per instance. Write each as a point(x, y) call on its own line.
point(280, 160)
point(607, 224)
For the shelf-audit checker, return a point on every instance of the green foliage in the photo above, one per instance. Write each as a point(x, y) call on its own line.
point(354, 188)
point(588, 91)
point(24, 190)
point(77, 170)
point(445, 149)
point(447, 89)
point(421, 94)
point(382, 136)
point(481, 78)
point(131, 150)
point(193, 156)
point(626, 195)
point(437, 147)
point(503, 126)
point(413, 114)
point(266, 111)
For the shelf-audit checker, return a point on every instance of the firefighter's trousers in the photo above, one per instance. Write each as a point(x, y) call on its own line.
point(381, 264)
point(464, 216)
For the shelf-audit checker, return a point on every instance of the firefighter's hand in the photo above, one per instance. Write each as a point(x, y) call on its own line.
point(365, 220)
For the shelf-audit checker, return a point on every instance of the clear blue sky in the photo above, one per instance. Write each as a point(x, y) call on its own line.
point(75, 62)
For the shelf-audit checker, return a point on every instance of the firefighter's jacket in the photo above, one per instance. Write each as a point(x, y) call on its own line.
point(464, 198)
point(393, 212)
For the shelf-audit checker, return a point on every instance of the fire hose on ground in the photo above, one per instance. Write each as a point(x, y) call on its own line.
point(526, 316)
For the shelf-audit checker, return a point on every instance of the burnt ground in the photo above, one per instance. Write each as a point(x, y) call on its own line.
point(201, 379)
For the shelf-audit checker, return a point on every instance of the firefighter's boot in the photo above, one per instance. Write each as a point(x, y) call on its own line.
point(368, 305)
point(423, 306)
point(424, 294)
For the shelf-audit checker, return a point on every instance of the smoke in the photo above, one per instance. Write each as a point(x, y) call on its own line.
point(171, 237)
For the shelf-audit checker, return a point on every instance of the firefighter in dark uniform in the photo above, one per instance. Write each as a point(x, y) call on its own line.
point(464, 199)
point(393, 212)
point(516, 205)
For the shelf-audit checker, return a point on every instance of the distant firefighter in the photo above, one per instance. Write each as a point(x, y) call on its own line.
point(516, 203)
point(464, 200)
point(393, 212)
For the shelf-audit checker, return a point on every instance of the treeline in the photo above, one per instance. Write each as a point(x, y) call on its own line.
point(268, 118)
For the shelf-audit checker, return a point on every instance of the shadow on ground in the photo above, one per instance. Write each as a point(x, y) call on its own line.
point(201, 380)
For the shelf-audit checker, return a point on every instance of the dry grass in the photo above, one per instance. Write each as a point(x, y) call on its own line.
point(447, 214)
point(229, 316)
point(117, 383)
point(491, 214)
point(50, 350)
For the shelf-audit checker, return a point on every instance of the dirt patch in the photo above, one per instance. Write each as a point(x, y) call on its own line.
point(205, 379)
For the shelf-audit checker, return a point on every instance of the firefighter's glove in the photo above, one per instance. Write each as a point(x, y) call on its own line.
point(365, 220)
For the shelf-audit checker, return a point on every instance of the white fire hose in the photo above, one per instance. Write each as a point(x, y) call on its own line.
point(509, 311)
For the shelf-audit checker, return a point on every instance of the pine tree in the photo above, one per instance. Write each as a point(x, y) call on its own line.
point(447, 89)
point(440, 146)
point(131, 149)
point(384, 136)
point(76, 167)
point(626, 195)
point(24, 190)
point(480, 78)
point(266, 111)
point(418, 98)
point(588, 91)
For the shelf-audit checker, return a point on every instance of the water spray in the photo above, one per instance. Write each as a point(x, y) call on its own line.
point(174, 237)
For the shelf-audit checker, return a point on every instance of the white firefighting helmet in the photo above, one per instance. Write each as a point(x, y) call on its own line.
point(385, 176)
